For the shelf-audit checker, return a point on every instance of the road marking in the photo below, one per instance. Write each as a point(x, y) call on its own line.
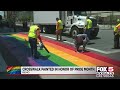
point(93, 49)
point(49, 37)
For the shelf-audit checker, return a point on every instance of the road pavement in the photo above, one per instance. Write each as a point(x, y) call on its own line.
point(102, 44)
point(3, 64)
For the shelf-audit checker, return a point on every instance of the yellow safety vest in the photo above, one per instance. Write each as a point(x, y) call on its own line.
point(32, 31)
point(89, 24)
point(60, 25)
point(116, 28)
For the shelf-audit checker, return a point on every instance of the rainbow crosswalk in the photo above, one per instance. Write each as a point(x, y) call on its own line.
point(64, 55)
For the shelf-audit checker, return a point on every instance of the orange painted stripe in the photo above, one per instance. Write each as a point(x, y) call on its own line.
point(75, 60)
point(83, 57)
point(21, 36)
point(89, 59)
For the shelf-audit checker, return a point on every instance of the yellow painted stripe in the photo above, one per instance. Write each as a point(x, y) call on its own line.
point(64, 55)
point(68, 57)
point(20, 36)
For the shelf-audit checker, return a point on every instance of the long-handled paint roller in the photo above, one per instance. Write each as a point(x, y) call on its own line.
point(41, 45)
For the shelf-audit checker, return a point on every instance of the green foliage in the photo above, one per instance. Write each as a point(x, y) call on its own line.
point(24, 15)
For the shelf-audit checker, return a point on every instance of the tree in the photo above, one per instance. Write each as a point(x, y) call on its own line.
point(25, 16)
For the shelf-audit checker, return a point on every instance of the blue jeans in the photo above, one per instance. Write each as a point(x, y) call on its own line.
point(88, 31)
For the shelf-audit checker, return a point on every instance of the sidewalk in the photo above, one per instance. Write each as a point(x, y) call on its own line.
point(11, 30)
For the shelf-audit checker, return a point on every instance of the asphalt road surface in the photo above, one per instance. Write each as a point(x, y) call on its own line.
point(102, 44)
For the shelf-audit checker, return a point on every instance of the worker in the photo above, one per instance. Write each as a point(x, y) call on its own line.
point(80, 39)
point(88, 27)
point(59, 29)
point(34, 33)
point(117, 34)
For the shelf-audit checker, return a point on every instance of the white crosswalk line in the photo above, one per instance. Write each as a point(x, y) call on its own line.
point(93, 49)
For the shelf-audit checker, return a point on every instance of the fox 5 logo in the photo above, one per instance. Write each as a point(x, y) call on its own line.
point(105, 69)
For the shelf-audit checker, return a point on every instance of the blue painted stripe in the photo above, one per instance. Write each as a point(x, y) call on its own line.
point(5, 36)
point(18, 71)
point(45, 62)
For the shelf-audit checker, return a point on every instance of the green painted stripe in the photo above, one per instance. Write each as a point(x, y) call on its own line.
point(54, 58)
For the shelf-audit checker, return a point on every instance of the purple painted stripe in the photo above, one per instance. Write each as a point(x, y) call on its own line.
point(32, 62)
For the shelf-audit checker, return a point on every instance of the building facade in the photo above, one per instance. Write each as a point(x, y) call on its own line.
point(105, 17)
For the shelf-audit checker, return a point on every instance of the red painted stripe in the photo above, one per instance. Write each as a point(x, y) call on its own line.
point(55, 42)
point(103, 58)
point(91, 54)
point(59, 43)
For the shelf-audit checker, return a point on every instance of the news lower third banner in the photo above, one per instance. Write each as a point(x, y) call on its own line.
point(58, 70)
point(99, 71)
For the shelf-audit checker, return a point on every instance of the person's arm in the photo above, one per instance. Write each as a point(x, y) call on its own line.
point(57, 25)
point(118, 27)
point(86, 38)
point(115, 30)
point(87, 22)
point(40, 38)
point(38, 34)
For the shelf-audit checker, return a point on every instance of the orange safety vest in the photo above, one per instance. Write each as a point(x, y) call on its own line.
point(117, 29)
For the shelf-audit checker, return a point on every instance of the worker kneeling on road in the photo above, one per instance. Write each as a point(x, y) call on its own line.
point(33, 34)
point(117, 34)
point(80, 39)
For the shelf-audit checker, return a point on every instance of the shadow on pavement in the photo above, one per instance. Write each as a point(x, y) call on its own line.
point(95, 38)
point(80, 51)
point(115, 48)
point(44, 57)
point(90, 43)
point(65, 34)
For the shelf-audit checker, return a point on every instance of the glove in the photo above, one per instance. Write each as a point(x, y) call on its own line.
point(40, 45)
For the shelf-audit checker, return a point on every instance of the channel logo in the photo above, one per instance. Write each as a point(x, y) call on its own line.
point(104, 71)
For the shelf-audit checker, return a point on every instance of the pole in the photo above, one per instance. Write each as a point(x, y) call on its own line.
point(111, 16)
point(14, 19)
